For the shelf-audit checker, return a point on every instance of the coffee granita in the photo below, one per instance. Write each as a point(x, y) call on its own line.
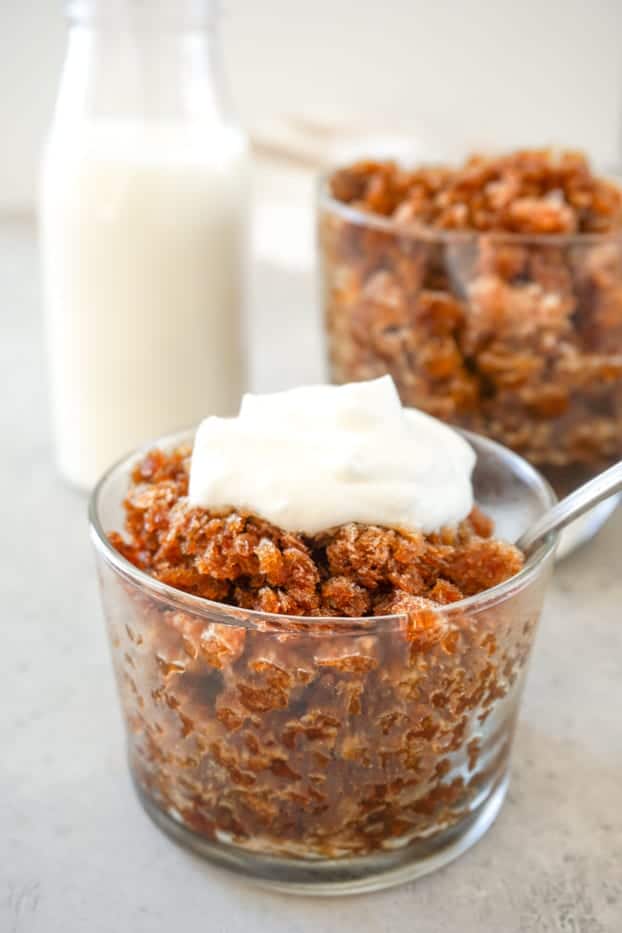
point(491, 292)
point(333, 701)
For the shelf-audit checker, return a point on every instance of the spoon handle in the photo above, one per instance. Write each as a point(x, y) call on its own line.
point(581, 500)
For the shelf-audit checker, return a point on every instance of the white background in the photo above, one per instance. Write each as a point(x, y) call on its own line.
point(473, 73)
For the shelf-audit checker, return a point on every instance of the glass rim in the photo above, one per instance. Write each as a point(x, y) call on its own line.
point(380, 222)
point(223, 613)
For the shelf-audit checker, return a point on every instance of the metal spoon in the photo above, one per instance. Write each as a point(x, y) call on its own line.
point(581, 500)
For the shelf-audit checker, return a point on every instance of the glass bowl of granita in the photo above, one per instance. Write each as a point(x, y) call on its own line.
point(320, 714)
point(491, 291)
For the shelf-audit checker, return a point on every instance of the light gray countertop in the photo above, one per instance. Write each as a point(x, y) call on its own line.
point(78, 854)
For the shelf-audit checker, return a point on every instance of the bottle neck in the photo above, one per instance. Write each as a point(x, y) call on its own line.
point(146, 15)
point(144, 61)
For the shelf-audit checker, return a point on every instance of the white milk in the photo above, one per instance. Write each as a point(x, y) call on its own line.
point(143, 236)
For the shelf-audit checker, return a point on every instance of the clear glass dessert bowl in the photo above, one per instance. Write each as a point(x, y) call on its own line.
point(513, 335)
point(324, 755)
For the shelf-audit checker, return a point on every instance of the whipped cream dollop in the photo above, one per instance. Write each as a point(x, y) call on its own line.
point(315, 457)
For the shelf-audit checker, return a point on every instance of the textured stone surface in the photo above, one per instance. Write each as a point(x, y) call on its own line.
point(77, 852)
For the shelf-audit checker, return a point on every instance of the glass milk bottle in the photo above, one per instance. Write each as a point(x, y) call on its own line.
point(144, 195)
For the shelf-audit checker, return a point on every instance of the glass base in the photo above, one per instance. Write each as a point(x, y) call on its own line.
point(329, 877)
